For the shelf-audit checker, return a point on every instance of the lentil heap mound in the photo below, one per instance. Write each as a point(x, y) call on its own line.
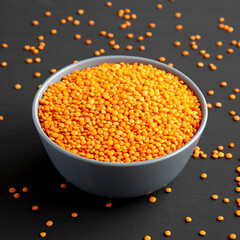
point(120, 113)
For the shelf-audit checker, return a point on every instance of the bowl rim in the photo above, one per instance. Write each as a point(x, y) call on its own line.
point(121, 58)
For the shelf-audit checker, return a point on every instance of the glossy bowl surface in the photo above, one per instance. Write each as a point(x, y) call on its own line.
point(119, 180)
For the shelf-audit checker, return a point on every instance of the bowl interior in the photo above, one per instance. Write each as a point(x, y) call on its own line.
point(91, 62)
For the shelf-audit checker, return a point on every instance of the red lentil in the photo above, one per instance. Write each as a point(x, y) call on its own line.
point(200, 64)
point(223, 84)
point(219, 57)
point(35, 208)
point(53, 31)
point(47, 14)
point(152, 199)
point(220, 218)
point(147, 237)
point(162, 59)
point(202, 233)
point(4, 45)
point(167, 233)
point(218, 104)
point(232, 236)
point(18, 86)
point(80, 12)
point(203, 175)
point(177, 43)
point(177, 15)
point(74, 214)
point(185, 53)
point(88, 41)
point(142, 48)
point(25, 189)
point(128, 138)
point(226, 200)
point(35, 23)
point(168, 190)
point(49, 223)
point(43, 234)
point(214, 197)
point(219, 43)
point(188, 219)
point(179, 27)
point(148, 34)
point(108, 205)
point(159, 6)
point(12, 190)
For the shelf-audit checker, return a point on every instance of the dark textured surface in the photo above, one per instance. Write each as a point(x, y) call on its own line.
point(25, 163)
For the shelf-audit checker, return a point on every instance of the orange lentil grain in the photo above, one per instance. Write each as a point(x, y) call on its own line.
point(43, 234)
point(108, 4)
point(12, 190)
point(214, 197)
point(35, 207)
point(202, 233)
point(37, 74)
point(29, 60)
point(203, 175)
point(63, 21)
point(152, 25)
point(210, 92)
point(133, 16)
point(220, 218)
point(127, 16)
point(228, 155)
point(47, 13)
point(188, 219)
point(77, 36)
point(128, 24)
point(236, 118)
point(221, 154)
point(130, 35)
point(177, 15)
point(177, 43)
point(221, 19)
point(35, 23)
point(91, 22)
point(237, 189)
point(110, 35)
point(142, 48)
point(179, 27)
point(63, 185)
point(185, 53)
point(49, 223)
point(220, 148)
point(167, 233)
point(159, 6)
point(232, 113)
point(4, 45)
point(53, 31)
point(74, 214)
point(102, 51)
point(140, 38)
point(37, 60)
point(97, 53)
point(129, 47)
point(147, 237)
point(35, 51)
point(16, 195)
point(1, 118)
point(237, 212)
point(162, 59)
point(237, 179)
point(170, 64)
point(206, 55)
point(219, 43)
point(69, 18)
point(88, 41)
point(40, 38)
point(233, 42)
point(26, 47)
point(76, 22)
point(148, 34)
point(103, 33)
point(230, 50)
point(198, 37)
point(25, 189)
point(200, 64)
point(218, 104)
point(168, 190)
point(53, 70)
point(123, 26)
point(219, 57)
point(80, 12)
point(226, 200)
point(232, 96)
point(152, 199)
point(236, 90)
point(116, 46)
point(202, 52)
point(3, 64)
point(108, 205)
point(232, 236)
point(112, 42)
point(17, 86)
point(223, 84)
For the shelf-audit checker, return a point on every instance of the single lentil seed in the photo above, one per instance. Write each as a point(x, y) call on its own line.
point(167, 233)
point(16, 195)
point(168, 190)
point(188, 219)
point(232, 236)
point(18, 86)
point(49, 223)
point(108, 205)
point(214, 197)
point(220, 218)
point(152, 199)
point(142, 48)
point(12, 190)
point(179, 27)
point(203, 175)
point(177, 43)
point(218, 104)
point(43, 234)
point(226, 200)
point(202, 233)
point(74, 214)
point(25, 189)
point(35, 207)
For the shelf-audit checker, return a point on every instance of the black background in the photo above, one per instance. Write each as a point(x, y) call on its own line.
point(25, 163)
